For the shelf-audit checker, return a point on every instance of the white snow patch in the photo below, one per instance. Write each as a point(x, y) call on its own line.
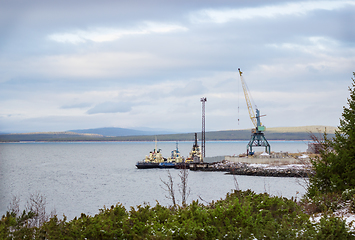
point(343, 213)
point(272, 166)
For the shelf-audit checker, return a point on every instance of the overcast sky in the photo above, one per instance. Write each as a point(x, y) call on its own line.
point(132, 64)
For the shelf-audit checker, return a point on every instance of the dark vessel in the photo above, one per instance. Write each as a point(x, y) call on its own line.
point(153, 160)
point(195, 155)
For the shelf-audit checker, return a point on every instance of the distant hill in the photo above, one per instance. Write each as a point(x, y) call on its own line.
point(313, 129)
point(106, 134)
point(48, 136)
point(114, 132)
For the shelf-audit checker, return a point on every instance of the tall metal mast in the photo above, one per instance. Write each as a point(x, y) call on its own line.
point(203, 140)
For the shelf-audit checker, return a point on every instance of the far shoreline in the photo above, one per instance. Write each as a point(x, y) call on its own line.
point(109, 141)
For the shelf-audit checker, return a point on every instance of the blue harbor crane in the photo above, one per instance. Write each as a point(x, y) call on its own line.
point(257, 138)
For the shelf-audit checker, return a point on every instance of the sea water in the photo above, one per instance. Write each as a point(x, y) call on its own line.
point(83, 177)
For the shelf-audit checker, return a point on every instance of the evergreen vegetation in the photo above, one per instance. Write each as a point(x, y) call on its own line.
point(335, 166)
point(241, 215)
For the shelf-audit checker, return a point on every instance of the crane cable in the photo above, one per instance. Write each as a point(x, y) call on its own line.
point(250, 96)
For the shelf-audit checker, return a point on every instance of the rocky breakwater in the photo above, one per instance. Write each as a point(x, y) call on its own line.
point(272, 171)
point(287, 166)
point(290, 170)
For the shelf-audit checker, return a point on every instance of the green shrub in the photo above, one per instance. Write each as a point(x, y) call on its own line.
point(348, 194)
point(333, 228)
point(335, 166)
point(241, 215)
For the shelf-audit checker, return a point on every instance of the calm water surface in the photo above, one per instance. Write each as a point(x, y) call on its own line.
point(80, 178)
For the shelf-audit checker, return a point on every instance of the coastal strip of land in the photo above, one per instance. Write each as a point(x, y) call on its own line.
point(274, 165)
point(282, 133)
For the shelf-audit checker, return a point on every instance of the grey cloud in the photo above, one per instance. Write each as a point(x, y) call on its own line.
point(67, 11)
point(191, 88)
point(77, 105)
point(204, 51)
point(110, 107)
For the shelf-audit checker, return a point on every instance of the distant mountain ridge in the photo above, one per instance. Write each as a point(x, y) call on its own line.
point(115, 132)
point(108, 134)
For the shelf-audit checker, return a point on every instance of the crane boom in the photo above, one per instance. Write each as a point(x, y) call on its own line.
point(247, 99)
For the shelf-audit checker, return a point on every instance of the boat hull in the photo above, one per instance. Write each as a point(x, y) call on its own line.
point(145, 165)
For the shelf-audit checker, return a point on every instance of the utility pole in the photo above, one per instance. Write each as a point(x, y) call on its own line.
point(203, 140)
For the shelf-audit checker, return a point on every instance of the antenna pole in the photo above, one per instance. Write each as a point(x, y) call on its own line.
point(203, 140)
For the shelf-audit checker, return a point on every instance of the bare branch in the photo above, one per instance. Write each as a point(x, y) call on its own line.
point(14, 205)
point(236, 184)
point(169, 188)
point(37, 204)
point(203, 200)
point(184, 190)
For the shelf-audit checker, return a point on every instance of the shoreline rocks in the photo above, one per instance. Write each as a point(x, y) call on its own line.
point(258, 171)
point(266, 170)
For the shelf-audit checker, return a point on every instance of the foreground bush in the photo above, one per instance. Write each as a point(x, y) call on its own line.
point(335, 166)
point(241, 215)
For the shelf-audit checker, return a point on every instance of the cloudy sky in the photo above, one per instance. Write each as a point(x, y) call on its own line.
point(133, 64)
